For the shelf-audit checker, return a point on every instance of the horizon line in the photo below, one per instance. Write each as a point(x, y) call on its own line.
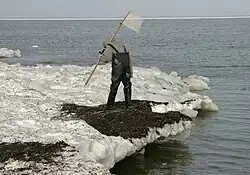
point(120, 18)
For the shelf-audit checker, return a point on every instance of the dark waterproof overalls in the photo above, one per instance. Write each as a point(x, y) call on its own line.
point(120, 73)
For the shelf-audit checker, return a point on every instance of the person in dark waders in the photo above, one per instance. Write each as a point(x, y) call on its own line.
point(121, 70)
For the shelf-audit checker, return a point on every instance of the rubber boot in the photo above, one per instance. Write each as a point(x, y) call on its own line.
point(112, 94)
point(111, 98)
point(127, 94)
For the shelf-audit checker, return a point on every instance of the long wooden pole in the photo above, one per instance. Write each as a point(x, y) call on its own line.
point(106, 47)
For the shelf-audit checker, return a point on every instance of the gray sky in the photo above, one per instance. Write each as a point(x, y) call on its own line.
point(118, 8)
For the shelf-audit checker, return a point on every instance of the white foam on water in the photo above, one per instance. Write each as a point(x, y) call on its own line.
point(31, 96)
point(8, 53)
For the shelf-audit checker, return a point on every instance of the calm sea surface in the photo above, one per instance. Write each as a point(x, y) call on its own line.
point(216, 48)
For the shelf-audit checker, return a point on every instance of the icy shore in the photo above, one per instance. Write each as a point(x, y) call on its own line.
point(31, 97)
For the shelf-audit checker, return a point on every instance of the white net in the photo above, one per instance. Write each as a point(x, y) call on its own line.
point(133, 22)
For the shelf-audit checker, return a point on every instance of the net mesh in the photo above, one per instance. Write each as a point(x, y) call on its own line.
point(133, 22)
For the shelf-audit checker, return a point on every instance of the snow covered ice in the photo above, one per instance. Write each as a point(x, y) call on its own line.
point(8, 53)
point(31, 96)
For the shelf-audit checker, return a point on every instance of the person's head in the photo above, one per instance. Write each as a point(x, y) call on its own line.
point(107, 40)
point(105, 43)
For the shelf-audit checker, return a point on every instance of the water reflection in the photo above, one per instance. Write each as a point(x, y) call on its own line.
point(171, 157)
point(206, 114)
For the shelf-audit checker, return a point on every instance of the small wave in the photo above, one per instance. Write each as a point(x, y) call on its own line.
point(8, 53)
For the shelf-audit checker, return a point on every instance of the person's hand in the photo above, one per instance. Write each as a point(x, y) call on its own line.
point(101, 52)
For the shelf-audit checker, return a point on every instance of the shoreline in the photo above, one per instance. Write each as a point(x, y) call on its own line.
point(32, 96)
